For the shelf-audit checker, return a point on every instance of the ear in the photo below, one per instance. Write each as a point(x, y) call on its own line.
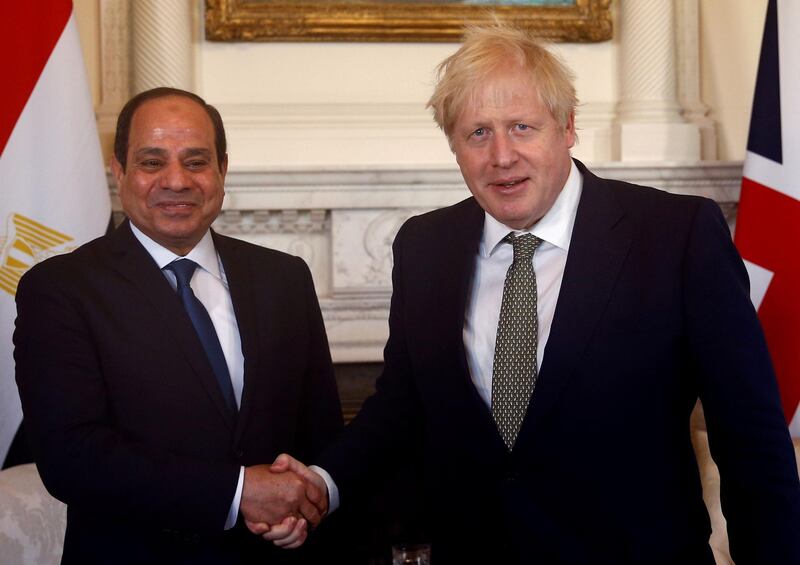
point(223, 169)
point(570, 130)
point(117, 171)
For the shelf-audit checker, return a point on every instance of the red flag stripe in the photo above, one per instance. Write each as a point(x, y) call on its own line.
point(768, 234)
point(768, 226)
point(28, 33)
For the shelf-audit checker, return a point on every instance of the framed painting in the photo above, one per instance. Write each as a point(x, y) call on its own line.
point(400, 20)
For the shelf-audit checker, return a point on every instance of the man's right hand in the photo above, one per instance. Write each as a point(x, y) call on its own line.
point(292, 532)
point(269, 497)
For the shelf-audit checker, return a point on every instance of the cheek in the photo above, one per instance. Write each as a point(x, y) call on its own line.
point(471, 165)
point(213, 196)
point(134, 195)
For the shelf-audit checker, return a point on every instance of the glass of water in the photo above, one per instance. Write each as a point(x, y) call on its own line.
point(411, 554)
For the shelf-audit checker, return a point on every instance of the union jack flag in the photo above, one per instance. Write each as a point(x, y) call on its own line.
point(768, 224)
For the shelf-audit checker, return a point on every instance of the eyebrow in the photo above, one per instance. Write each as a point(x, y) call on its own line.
point(189, 152)
point(150, 151)
point(196, 152)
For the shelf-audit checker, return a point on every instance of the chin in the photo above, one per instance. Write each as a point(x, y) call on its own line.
point(513, 220)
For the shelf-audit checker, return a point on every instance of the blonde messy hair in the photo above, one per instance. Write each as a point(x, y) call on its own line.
point(488, 48)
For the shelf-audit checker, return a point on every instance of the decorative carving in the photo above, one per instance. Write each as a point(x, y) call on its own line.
point(249, 222)
point(303, 249)
point(356, 309)
point(366, 267)
point(304, 20)
point(378, 239)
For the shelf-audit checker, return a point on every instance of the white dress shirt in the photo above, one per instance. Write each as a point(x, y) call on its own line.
point(210, 286)
point(491, 265)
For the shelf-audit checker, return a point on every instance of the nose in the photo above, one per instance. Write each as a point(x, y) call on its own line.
point(503, 152)
point(174, 177)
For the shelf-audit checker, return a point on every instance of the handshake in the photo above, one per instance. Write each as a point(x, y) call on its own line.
point(280, 501)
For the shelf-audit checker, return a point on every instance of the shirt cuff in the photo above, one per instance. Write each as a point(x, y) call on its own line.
point(237, 500)
point(333, 491)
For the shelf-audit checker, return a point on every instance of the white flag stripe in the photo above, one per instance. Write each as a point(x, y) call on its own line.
point(51, 172)
point(781, 178)
point(759, 282)
point(51, 168)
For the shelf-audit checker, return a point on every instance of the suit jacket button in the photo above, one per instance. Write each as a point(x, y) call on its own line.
point(239, 453)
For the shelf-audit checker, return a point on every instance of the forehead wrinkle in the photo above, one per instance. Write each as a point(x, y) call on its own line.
point(149, 150)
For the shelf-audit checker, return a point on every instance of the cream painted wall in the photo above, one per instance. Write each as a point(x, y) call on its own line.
point(316, 73)
point(87, 16)
point(291, 86)
point(730, 42)
point(402, 74)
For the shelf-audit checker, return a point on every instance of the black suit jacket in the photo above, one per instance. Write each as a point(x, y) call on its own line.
point(125, 417)
point(653, 313)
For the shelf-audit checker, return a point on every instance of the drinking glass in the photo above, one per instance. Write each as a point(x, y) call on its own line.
point(411, 554)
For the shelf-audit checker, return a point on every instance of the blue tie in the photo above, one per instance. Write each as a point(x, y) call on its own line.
point(184, 269)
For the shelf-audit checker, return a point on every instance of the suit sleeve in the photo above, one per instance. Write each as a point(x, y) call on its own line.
point(747, 431)
point(83, 460)
point(388, 422)
point(321, 417)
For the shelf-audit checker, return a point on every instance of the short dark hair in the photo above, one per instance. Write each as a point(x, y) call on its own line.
point(125, 118)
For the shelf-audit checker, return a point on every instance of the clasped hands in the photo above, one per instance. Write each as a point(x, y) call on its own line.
point(280, 501)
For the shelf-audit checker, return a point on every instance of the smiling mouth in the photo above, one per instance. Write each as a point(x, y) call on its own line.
point(175, 207)
point(503, 183)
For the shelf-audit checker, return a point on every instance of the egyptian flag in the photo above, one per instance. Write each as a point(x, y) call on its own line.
point(768, 224)
point(53, 189)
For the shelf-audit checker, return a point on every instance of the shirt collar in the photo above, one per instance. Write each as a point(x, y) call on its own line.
point(204, 253)
point(555, 227)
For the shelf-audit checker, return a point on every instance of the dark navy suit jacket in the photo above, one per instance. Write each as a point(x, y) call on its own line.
point(653, 313)
point(127, 423)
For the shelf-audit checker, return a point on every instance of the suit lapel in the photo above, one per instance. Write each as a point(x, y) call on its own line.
point(239, 277)
point(459, 241)
point(463, 240)
point(600, 243)
point(132, 261)
point(466, 240)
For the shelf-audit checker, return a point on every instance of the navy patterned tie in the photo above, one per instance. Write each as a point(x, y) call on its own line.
point(514, 372)
point(184, 270)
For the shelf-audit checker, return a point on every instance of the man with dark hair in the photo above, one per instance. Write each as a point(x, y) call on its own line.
point(122, 135)
point(160, 367)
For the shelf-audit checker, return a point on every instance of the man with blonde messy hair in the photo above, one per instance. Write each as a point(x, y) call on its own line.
point(483, 56)
point(549, 337)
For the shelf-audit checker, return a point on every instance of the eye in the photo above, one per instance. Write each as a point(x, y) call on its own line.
point(522, 127)
point(150, 163)
point(480, 132)
point(196, 163)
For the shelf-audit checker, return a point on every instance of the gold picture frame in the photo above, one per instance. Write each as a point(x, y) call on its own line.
point(396, 20)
